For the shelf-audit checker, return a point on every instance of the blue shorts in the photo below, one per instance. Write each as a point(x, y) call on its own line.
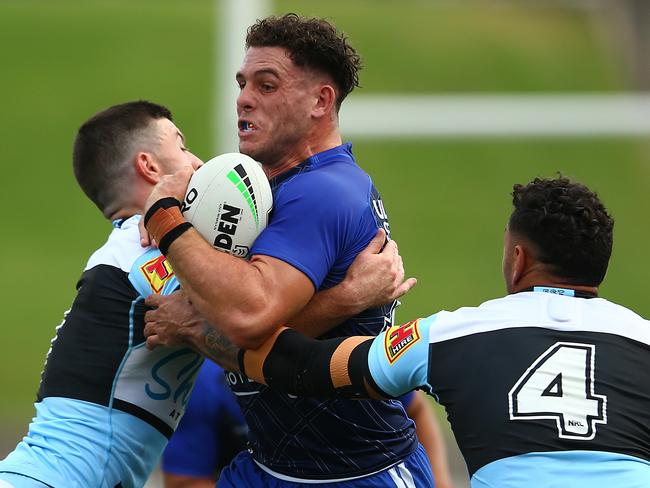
point(12, 480)
point(412, 472)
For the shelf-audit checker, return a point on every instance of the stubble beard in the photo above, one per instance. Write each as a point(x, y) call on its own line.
point(272, 153)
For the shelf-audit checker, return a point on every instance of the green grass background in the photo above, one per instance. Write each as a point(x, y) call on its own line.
point(448, 199)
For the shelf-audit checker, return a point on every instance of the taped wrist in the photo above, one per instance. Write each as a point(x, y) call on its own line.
point(302, 366)
point(165, 222)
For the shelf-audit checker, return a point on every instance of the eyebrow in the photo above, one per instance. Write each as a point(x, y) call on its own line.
point(263, 71)
point(180, 134)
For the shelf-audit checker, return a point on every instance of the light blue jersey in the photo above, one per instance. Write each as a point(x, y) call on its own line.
point(547, 388)
point(107, 405)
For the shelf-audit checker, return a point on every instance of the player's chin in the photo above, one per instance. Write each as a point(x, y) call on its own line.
point(250, 149)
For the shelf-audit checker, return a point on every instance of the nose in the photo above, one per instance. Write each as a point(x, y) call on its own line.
point(195, 162)
point(245, 99)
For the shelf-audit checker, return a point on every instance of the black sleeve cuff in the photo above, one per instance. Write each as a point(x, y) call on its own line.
point(172, 235)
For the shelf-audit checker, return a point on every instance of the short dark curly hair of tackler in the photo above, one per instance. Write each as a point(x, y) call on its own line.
point(568, 226)
point(312, 43)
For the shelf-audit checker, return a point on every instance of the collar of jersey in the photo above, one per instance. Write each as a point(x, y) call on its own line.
point(344, 151)
point(554, 290)
point(126, 223)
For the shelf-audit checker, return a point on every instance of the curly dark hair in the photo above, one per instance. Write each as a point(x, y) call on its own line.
point(568, 225)
point(312, 43)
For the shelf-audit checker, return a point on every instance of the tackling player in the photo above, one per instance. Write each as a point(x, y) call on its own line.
point(547, 387)
point(106, 405)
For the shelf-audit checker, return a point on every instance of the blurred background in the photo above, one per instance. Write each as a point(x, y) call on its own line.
point(459, 100)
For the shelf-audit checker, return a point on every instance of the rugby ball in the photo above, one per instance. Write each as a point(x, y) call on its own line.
point(228, 201)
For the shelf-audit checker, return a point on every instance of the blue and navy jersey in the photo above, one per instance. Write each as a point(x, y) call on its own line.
point(542, 388)
point(326, 210)
point(106, 405)
point(212, 431)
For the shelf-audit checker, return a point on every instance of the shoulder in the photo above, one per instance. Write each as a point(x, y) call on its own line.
point(543, 310)
point(606, 316)
point(121, 249)
point(491, 315)
point(336, 182)
point(604, 306)
point(146, 269)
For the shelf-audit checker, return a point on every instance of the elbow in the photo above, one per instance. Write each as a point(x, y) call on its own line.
point(249, 328)
point(244, 340)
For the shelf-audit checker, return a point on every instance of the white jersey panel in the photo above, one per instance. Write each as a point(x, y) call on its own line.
point(122, 248)
point(545, 310)
point(159, 382)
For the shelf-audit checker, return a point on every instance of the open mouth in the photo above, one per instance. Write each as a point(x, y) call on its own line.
point(246, 126)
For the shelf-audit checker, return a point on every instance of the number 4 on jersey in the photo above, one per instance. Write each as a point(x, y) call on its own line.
point(559, 385)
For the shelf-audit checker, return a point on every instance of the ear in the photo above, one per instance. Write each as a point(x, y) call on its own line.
point(147, 168)
point(518, 265)
point(325, 101)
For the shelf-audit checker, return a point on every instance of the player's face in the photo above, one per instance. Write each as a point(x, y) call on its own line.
point(274, 105)
point(170, 150)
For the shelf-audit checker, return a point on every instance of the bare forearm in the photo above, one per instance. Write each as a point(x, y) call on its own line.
point(327, 309)
point(248, 300)
point(213, 344)
point(212, 279)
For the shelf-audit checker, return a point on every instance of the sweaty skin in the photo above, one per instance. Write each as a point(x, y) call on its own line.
point(291, 113)
point(375, 277)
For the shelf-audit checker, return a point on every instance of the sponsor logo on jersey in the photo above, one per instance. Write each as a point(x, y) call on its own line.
point(399, 338)
point(157, 272)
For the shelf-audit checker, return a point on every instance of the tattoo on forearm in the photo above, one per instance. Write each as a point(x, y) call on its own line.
point(218, 347)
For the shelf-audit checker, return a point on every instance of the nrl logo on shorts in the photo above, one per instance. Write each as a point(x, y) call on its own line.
point(157, 272)
point(399, 338)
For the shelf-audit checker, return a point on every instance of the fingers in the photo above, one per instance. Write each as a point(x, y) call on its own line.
point(390, 249)
point(404, 288)
point(150, 329)
point(375, 245)
point(153, 342)
point(153, 300)
point(399, 269)
point(144, 235)
point(185, 173)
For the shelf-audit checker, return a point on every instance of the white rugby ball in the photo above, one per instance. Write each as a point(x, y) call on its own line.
point(228, 201)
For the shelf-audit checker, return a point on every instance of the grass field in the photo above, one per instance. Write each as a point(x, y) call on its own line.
point(448, 200)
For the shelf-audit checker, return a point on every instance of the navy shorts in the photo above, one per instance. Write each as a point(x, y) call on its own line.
point(412, 472)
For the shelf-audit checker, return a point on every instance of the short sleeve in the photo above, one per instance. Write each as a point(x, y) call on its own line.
point(316, 219)
point(152, 273)
point(399, 357)
point(406, 399)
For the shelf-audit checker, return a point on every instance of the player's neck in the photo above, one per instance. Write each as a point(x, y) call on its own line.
point(548, 280)
point(125, 213)
point(314, 144)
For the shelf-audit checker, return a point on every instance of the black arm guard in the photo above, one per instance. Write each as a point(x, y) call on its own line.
point(299, 365)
